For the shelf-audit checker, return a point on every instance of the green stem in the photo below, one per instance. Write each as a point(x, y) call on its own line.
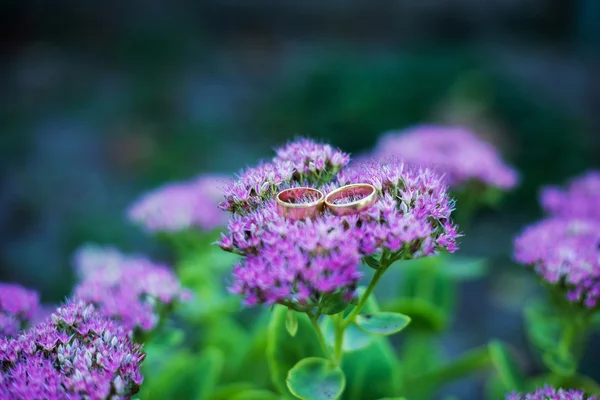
point(378, 273)
point(315, 323)
point(339, 330)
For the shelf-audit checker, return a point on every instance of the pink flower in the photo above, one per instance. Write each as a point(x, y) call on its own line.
point(181, 206)
point(453, 151)
point(581, 199)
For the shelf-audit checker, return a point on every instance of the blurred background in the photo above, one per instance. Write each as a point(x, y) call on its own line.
point(102, 101)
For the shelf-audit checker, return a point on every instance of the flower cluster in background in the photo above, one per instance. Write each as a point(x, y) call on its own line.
point(580, 200)
point(76, 354)
point(550, 393)
point(182, 205)
point(131, 289)
point(566, 246)
point(18, 306)
point(298, 263)
point(453, 151)
point(564, 250)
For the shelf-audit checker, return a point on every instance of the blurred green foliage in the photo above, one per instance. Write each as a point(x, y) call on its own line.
point(353, 99)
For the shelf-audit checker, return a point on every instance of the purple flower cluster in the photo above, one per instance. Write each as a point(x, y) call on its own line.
point(452, 150)
point(564, 251)
point(18, 306)
point(76, 354)
point(308, 158)
point(580, 200)
point(299, 162)
point(301, 263)
point(412, 215)
point(292, 262)
point(181, 206)
point(550, 393)
point(131, 289)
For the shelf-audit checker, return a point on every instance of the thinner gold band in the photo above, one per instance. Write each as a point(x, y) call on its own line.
point(291, 203)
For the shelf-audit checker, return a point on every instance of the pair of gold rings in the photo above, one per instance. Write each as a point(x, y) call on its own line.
point(304, 202)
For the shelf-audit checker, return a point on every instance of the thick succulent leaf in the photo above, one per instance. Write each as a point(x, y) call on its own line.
point(316, 378)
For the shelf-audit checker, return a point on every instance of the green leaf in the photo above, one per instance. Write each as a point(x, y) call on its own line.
point(420, 354)
point(226, 392)
point(382, 323)
point(230, 337)
point(542, 325)
point(472, 361)
point(180, 374)
point(372, 371)
point(291, 322)
point(424, 315)
point(463, 268)
point(282, 352)
point(354, 338)
point(209, 367)
point(255, 395)
point(508, 372)
point(316, 378)
point(333, 304)
point(561, 364)
point(372, 262)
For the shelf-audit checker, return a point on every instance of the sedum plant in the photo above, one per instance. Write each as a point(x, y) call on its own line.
point(260, 306)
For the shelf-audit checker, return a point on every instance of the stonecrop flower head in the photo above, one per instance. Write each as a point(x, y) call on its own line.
point(564, 252)
point(18, 306)
point(299, 162)
point(550, 393)
point(581, 199)
point(77, 353)
point(181, 205)
point(296, 263)
point(453, 151)
point(131, 289)
point(305, 263)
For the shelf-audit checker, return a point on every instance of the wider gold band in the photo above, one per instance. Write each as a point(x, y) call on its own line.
point(368, 193)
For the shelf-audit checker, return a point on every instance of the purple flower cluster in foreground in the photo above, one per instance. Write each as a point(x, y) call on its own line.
point(564, 250)
point(580, 200)
point(300, 161)
point(550, 393)
point(131, 289)
point(299, 263)
point(182, 205)
point(18, 306)
point(454, 151)
point(76, 354)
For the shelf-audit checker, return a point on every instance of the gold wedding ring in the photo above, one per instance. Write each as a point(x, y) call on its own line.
point(367, 193)
point(299, 203)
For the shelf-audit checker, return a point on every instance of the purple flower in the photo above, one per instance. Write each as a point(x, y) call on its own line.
point(411, 217)
point(550, 393)
point(295, 263)
point(131, 289)
point(76, 354)
point(581, 199)
point(304, 263)
point(564, 251)
point(302, 162)
point(182, 205)
point(18, 306)
point(452, 150)
point(255, 185)
point(309, 158)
